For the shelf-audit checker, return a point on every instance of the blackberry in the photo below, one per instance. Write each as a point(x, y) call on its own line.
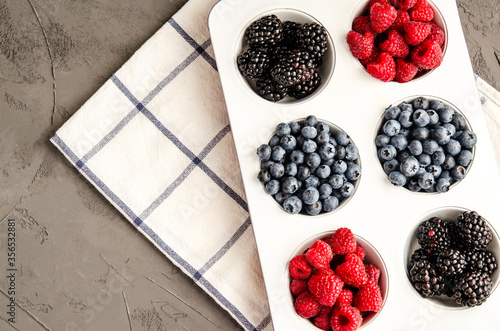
point(450, 262)
point(426, 280)
point(265, 32)
point(290, 30)
point(296, 67)
point(472, 289)
point(301, 90)
point(279, 52)
point(472, 230)
point(419, 255)
point(270, 90)
point(314, 39)
point(253, 63)
point(479, 260)
point(433, 235)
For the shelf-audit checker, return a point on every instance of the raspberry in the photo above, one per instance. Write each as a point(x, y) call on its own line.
point(405, 4)
point(346, 318)
point(372, 58)
point(436, 34)
point(368, 298)
point(384, 68)
point(416, 32)
point(395, 45)
point(360, 45)
point(319, 254)
point(299, 267)
point(421, 12)
point(402, 17)
point(405, 71)
point(362, 24)
point(372, 272)
point(343, 241)
point(325, 285)
point(352, 271)
point(306, 305)
point(383, 2)
point(345, 298)
point(427, 55)
point(322, 320)
point(382, 16)
point(360, 252)
point(297, 286)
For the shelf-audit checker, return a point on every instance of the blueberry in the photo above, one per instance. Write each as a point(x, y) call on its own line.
point(451, 130)
point(342, 138)
point(339, 167)
point(275, 140)
point(291, 169)
point(459, 122)
point(290, 185)
point(303, 173)
point(300, 140)
point(440, 134)
point(390, 166)
point(405, 106)
point(332, 140)
point(310, 195)
point(436, 104)
point(397, 178)
point(323, 127)
point(426, 180)
point(278, 153)
point(420, 103)
point(292, 205)
point(353, 172)
point(322, 137)
point(288, 142)
point(295, 128)
point(314, 209)
point(329, 162)
point(457, 172)
point(330, 203)
point(430, 146)
point(415, 147)
point(311, 120)
point(309, 132)
point(421, 118)
point(264, 152)
point(336, 181)
point(413, 185)
point(326, 151)
point(433, 116)
point(424, 159)
point(446, 174)
point(311, 181)
point(283, 129)
point(399, 141)
point(405, 132)
point(449, 162)
point(456, 134)
point(435, 170)
point(297, 157)
point(347, 190)
point(392, 113)
point(277, 170)
point(325, 190)
point(420, 134)
point(340, 155)
point(409, 167)
point(336, 194)
point(280, 197)
point(442, 185)
point(405, 119)
point(388, 152)
point(446, 114)
point(403, 156)
point(438, 158)
point(351, 152)
point(272, 187)
point(323, 171)
point(309, 146)
point(312, 160)
point(264, 176)
point(453, 147)
point(266, 164)
point(391, 128)
point(464, 158)
point(382, 140)
point(467, 139)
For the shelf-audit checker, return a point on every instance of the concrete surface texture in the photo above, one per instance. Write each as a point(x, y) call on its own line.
point(81, 265)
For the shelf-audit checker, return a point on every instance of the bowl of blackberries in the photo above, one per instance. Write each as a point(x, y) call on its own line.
point(425, 144)
point(309, 166)
point(285, 55)
point(451, 258)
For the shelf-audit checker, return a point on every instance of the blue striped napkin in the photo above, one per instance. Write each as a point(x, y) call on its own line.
point(155, 140)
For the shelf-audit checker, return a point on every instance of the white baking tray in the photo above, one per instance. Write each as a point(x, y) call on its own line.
point(379, 212)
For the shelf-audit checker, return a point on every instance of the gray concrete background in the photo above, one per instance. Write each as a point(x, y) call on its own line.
point(81, 265)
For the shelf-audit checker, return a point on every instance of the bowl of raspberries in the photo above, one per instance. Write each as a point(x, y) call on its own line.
point(337, 281)
point(425, 144)
point(451, 258)
point(309, 166)
point(398, 40)
point(285, 55)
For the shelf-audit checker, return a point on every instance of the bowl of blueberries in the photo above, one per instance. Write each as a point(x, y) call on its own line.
point(425, 144)
point(309, 166)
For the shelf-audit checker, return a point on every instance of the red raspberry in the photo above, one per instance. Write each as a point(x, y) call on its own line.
point(368, 298)
point(382, 16)
point(405, 4)
point(427, 55)
point(299, 268)
point(297, 286)
point(352, 271)
point(416, 32)
point(395, 45)
point(319, 254)
point(402, 17)
point(345, 298)
point(384, 68)
point(360, 45)
point(362, 24)
point(360, 252)
point(346, 318)
point(306, 305)
point(322, 320)
point(421, 12)
point(436, 34)
point(372, 272)
point(383, 2)
point(405, 71)
point(325, 285)
point(372, 58)
point(343, 241)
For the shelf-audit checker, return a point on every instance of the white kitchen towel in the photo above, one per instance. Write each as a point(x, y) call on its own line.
point(155, 140)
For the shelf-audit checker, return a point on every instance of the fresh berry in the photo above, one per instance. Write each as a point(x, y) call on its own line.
point(437, 34)
point(290, 33)
point(270, 90)
point(372, 58)
point(360, 252)
point(299, 267)
point(433, 235)
point(352, 271)
point(480, 260)
point(297, 286)
point(253, 63)
point(419, 255)
point(382, 2)
point(421, 12)
point(322, 320)
point(416, 32)
point(346, 318)
point(427, 55)
point(360, 45)
point(450, 262)
point(372, 272)
point(473, 231)
point(265, 32)
point(319, 254)
point(302, 90)
point(313, 38)
point(402, 18)
point(405, 4)
point(382, 16)
point(472, 289)
point(395, 45)
point(306, 305)
point(345, 298)
point(368, 298)
point(384, 68)
point(426, 280)
point(325, 285)
point(405, 71)
point(362, 24)
point(295, 68)
point(343, 242)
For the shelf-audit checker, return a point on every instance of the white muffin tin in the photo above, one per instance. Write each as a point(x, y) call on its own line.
point(379, 212)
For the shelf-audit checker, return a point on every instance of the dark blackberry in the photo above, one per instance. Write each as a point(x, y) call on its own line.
point(296, 67)
point(270, 90)
point(455, 240)
point(290, 33)
point(450, 262)
point(479, 260)
point(426, 280)
point(433, 235)
point(472, 230)
point(265, 32)
point(314, 39)
point(472, 289)
point(253, 63)
point(419, 255)
point(279, 52)
point(301, 90)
